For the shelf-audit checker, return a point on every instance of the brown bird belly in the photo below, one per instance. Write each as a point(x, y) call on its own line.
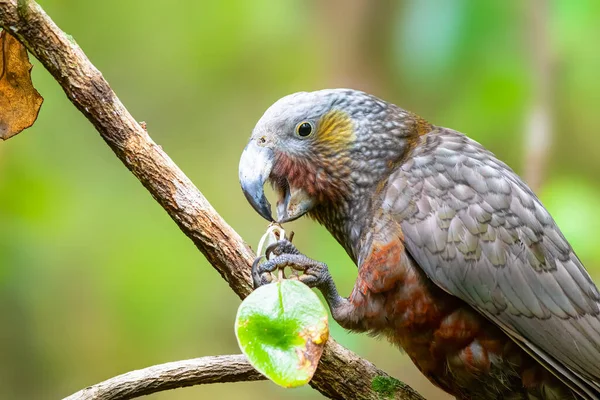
point(453, 345)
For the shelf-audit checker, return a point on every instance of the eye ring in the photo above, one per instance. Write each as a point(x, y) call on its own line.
point(304, 129)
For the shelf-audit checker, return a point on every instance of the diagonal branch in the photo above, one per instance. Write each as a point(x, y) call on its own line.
point(341, 373)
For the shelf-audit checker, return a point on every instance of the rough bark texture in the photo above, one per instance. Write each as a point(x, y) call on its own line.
point(341, 374)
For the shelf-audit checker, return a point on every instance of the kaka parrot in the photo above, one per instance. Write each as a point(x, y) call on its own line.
point(459, 263)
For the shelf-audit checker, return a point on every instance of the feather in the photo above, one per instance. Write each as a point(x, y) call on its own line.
point(488, 240)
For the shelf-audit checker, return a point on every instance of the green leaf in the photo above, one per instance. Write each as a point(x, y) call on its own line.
point(282, 328)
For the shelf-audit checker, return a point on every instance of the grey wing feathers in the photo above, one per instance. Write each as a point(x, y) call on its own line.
point(482, 235)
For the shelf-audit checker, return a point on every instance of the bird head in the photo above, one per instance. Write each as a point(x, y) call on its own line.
point(322, 148)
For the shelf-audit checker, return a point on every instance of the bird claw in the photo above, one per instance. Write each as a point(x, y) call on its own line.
point(315, 275)
point(260, 277)
point(287, 255)
point(283, 246)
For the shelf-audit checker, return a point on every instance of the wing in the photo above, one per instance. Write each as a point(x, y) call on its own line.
point(482, 235)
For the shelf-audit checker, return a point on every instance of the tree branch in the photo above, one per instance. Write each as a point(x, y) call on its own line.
point(341, 373)
point(198, 371)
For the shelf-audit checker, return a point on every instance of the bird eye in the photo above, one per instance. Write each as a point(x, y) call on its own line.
point(304, 129)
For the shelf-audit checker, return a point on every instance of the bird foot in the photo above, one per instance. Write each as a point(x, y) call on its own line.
point(314, 273)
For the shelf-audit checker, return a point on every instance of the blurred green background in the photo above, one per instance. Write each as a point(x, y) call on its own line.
point(96, 280)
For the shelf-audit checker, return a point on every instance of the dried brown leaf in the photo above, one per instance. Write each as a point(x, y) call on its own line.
point(19, 101)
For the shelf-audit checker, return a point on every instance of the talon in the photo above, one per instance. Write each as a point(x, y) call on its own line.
point(315, 274)
point(269, 250)
point(283, 246)
point(256, 278)
point(257, 261)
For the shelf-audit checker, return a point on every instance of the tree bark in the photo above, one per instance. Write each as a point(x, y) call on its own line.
point(341, 374)
point(198, 371)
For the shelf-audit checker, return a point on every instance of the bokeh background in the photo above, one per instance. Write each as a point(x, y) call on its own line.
point(96, 280)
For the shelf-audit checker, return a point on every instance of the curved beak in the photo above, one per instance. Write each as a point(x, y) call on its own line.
point(255, 167)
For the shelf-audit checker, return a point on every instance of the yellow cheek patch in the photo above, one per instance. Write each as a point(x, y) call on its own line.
point(335, 132)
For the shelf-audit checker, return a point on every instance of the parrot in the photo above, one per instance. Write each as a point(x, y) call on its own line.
point(459, 263)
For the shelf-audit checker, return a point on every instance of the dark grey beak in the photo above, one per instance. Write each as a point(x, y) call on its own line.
point(255, 166)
